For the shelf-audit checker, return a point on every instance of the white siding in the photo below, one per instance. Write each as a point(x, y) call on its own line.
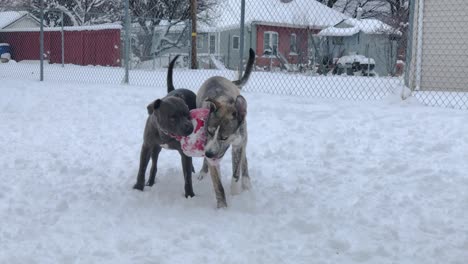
point(24, 22)
point(444, 46)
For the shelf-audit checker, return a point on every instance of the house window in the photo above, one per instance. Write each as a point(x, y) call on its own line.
point(212, 44)
point(270, 43)
point(338, 41)
point(200, 41)
point(293, 44)
point(235, 42)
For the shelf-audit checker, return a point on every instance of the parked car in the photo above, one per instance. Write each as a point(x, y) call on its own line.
point(355, 65)
point(5, 52)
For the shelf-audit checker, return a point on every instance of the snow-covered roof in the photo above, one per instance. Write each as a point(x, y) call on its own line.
point(8, 17)
point(354, 26)
point(297, 13)
point(79, 28)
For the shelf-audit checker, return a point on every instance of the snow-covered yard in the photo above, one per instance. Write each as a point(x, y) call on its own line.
point(355, 88)
point(333, 182)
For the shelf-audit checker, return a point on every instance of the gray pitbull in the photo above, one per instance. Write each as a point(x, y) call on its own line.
point(169, 119)
point(226, 126)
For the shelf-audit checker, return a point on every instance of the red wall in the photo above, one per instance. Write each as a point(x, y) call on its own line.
point(93, 47)
point(284, 39)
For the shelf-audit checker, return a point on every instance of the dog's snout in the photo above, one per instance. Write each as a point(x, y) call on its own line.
point(209, 154)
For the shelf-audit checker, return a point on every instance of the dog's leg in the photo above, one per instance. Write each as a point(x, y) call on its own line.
point(204, 170)
point(246, 185)
point(187, 168)
point(154, 165)
point(218, 186)
point(236, 187)
point(144, 159)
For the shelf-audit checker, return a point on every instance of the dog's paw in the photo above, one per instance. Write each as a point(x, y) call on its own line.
point(150, 183)
point(189, 194)
point(139, 186)
point(221, 204)
point(246, 185)
point(189, 191)
point(236, 186)
point(202, 175)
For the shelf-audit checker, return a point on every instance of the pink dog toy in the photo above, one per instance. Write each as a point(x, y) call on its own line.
point(194, 144)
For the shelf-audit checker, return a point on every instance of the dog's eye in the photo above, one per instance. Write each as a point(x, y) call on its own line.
point(223, 138)
point(210, 132)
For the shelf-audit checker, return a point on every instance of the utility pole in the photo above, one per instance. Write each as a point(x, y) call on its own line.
point(193, 15)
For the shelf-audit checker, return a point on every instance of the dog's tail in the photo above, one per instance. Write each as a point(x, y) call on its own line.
point(170, 85)
point(248, 70)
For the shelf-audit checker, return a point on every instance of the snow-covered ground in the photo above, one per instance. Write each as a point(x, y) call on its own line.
point(333, 182)
point(355, 88)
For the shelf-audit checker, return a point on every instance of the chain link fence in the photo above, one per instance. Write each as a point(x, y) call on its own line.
point(340, 49)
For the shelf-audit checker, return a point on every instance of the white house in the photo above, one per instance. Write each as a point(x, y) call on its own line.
point(369, 37)
point(18, 19)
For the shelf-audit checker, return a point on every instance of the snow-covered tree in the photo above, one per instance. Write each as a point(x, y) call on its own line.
point(149, 14)
point(79, 12)
point(6, 5)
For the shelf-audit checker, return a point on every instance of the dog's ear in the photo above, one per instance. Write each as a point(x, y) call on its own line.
point(241, 107)
point(214, 105)
point(153, 106)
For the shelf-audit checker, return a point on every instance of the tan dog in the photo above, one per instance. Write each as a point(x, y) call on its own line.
point(226, 126)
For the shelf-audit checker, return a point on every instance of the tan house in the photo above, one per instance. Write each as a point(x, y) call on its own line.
point(439, 46)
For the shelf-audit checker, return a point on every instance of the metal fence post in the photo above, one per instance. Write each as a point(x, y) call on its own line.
point(127, 41)
point(63, 40)
point(419, 48)
point(41, 42)
point(409, 43)
point(241, 39)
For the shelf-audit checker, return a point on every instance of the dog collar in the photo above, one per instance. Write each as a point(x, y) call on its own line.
point(178, 138)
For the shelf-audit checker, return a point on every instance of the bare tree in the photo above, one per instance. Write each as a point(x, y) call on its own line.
point(361, 8)
point(398, 17)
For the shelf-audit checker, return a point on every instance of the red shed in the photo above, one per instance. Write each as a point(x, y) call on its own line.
point(88, 45)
